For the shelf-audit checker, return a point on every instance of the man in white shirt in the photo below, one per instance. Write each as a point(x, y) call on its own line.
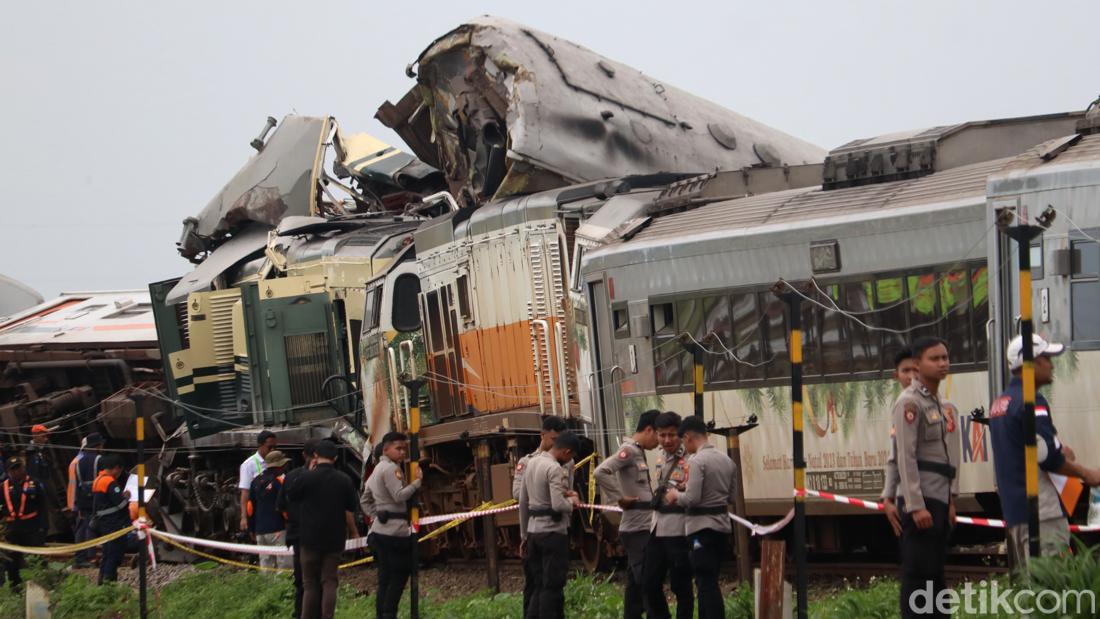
point(252, 468)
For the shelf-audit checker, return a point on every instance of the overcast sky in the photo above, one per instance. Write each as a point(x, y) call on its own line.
point(122, 119)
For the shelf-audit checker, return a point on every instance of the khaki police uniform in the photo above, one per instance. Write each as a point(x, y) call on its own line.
point(708, 494)
point(385, 500)
point(521, 465)
point(628, 470)
point(544, 513)
point(668, 547)
point(927, 435)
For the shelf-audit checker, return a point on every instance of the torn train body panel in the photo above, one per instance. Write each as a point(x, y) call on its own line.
point(503, 109)
point(288, 177)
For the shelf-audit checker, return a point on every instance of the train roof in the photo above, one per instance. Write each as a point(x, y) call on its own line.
point(541, 111)
point(16, 296)
point(1068, 161)
point(120, 318)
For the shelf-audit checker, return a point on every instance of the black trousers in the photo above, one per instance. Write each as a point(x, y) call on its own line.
point(634, 598)
point(20, 537)
point(299, 587)
point(923, 554)
point(320, 581)
point(394, 557)
point(113, 553)
point(707, 547)
point(546, 564)
point(669, 556)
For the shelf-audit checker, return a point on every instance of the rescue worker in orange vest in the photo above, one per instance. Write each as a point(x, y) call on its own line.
point(82, 473)
point(24, 514)
point(111, 512)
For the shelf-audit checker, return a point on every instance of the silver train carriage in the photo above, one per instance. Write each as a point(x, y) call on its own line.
point(897, 241)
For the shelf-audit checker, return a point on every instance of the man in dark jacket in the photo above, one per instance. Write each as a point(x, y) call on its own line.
point(292, 510)
point(265, 519)
point(111, 512)
point(327, 517)
point(24, 514)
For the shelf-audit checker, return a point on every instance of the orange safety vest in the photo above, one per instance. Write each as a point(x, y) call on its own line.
point(102, 482)
point(12, 514)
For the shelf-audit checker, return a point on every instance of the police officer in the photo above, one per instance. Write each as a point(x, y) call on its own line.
point(668, 548)
point(905, 370)
point(386, 500)
point(705, 496)
point(545, 507)
point(928, 457)
point(111, 512)
point(24, 514)
point(552, 426)
point(626, 475)
point(1006, 427)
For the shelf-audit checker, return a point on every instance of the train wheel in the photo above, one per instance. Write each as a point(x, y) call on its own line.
point(592, 544)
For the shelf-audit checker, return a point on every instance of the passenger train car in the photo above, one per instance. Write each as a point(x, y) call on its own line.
point(897, 241)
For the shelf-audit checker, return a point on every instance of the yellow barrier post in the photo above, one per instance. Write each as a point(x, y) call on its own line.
point(137, 399)
point(794, 317)
point(413, 385)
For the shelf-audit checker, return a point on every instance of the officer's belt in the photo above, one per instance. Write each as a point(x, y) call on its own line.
point(546, 512)
point(940, 468)
point(385, 517)
point(638, 507)
point(671, 509)
point(706, 511)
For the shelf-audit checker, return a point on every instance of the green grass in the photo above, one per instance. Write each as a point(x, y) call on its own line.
point(215, 592)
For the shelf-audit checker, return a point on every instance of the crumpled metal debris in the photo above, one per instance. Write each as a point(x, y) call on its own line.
point(504, 109)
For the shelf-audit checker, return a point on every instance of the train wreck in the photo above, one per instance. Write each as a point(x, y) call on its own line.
point(503, 109)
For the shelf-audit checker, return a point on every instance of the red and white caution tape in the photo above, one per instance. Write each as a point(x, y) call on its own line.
point(839, 498)
point(144, 531)
point(427, 520)
point(759, 529)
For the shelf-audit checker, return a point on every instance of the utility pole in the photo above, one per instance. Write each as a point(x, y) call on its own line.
point(1023, 235)
point(413, 385)
point(794, 310)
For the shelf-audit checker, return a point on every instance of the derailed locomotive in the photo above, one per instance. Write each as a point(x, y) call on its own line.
point(327, 269)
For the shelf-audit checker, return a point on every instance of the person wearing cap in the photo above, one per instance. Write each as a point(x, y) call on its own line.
point(35, 456)
point(292, 510)
point(705, 495)
point(386, 501)
point(253, 467)
point(546, 505)
point(625, 475)
point(1006, 429)
point(82, 473)
point(266, 521)
point(111, 512)
point(328, 503)
point(24, 513)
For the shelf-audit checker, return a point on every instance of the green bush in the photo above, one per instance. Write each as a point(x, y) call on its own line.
point(79, 598)
point(217, 593)
point(877, 600)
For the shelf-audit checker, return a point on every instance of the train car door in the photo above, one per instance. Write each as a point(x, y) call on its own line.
point(607, 374)
point(294, 345)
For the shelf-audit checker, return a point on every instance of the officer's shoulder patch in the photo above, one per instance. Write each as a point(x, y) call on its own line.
point(624, 453)
point(519, 467)
point(397, 474)
point(910, 415)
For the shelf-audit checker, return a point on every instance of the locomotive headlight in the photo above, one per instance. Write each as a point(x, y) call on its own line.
point(825, 256)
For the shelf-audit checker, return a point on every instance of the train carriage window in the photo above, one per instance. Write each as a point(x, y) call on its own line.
point(775, 334)
point(859, 299)
point(954, 293)
point(1037, 271)
point(689, 319)
point(1085, 292)
point(620, 321)
point(371, 308)
point(892, 315)
point(748, 339)
point(463, 283)
point(979, 308)
point(811, 340)
point(667, 352)
point(922, 306)
point(406, 316)
point(836, 350)
point(716, 319)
